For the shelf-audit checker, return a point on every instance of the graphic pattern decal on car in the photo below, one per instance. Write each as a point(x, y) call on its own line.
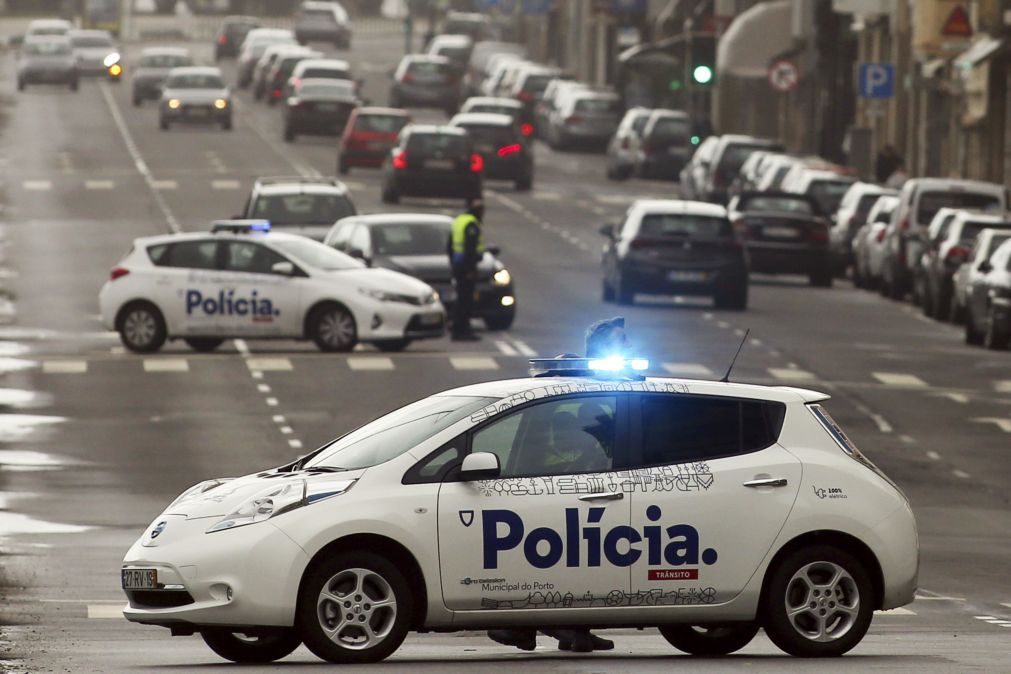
point(681, 596)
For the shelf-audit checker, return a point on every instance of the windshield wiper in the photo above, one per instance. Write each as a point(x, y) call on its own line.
point(325, 469)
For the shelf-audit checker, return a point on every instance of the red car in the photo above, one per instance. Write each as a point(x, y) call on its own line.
point(369, 136)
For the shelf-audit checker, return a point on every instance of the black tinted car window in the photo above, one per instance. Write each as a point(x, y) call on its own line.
point(932, 202)
point(426, 144)
point(164, 61)
point(866, 203)
point(596, 106)
point(303, 209)
point(191, 255)
point(828, 194)
point(659, 225)
point(326, 73)
point(251, 258)
point(494, 136)
point(428, 69)
point(380, 123)
point(682, 429)
point(778, 204)
point(670, 127)
point(410, 239)
point(971, 229)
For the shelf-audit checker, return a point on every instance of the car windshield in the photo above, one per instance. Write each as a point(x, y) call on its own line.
point(778, 204)
point(671, 127)
point(932, 202)
point(680, 225)
point(536, 84)
point(303, 209)
point(866, 203)
point(316, 16)
point(828, 194)
point(437, 143)
point(399, 431)
point(165, 61)
point(487, 137)
point(596, 106)
point(419, 238)
point(337, 89)
point(428, 70)
point(195, 81)
point(326, 73)
point(315, 254)
point(380, 123)
point(47, 48)
point(735, 155)
point(91, 41)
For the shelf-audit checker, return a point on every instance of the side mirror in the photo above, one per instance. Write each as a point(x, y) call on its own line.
point(283, 268)
point(985, 267)
point(480, 466)
point(608, 231)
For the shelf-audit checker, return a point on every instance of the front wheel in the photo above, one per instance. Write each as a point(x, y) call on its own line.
point(710, 639)
point(142, 328)
point(342, 167)
point(354, 608)
point(972, 335)
point(818, 602)
point(623, 294)
point(332, 328)
point(204, 344)
point(260, 647)
point(227, 124)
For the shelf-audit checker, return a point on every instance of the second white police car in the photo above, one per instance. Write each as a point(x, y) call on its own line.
point(241, 280)
point(706, 509)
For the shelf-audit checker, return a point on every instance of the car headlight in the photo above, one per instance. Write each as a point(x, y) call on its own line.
point(111, 60)
point(279, 499)
point(174, 103)
point(197, 490)
point(502, 277)
point(221, 104)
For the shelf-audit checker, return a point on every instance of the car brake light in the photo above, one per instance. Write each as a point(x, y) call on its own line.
point(573, 119)
point(399, 159)
point(118, 272)
point(881, 235)
point(527, 129)
point(904, 224)
point(819, 234)
point(222, 40)
point(408, 77)
point(276, 93)
point(476, 163)
point(957, 254)
point(509, 149)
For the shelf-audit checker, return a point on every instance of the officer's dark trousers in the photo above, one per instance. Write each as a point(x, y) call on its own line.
point(464, 306)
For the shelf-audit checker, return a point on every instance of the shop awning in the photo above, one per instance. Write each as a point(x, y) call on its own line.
point(755, 39)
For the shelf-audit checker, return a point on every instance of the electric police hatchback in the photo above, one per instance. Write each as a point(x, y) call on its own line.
point(581, 496)
point(240, 280)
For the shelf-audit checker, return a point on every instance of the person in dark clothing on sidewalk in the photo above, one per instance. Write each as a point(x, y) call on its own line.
point(466, 248)
point(888, 160)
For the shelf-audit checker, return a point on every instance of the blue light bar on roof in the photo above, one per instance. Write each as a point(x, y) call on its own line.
point(240, 226)
point(617, 364)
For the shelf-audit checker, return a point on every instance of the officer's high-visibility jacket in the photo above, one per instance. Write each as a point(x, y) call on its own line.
point(458, 241)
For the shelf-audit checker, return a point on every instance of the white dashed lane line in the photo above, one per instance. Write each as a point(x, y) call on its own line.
point(790, 374)
point(37, 185)
point(473, 363)
point(65, 367)
point(268, 364)
point(99, 184)
point(370, 363)
point(166, 365)
point(225, 184)
point(165, 185)
point(687, 370)
point(899, 379)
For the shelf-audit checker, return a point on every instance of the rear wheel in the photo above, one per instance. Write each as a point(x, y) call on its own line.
point(227, 124)
point(289, 134)
point(710, 639)
point(390, 196)
point(972, 336)
point(392, 345)
point(607, 292)
point(142, 328)
point(956, 313)
point(818, 602)
point(524, 183)
point(204, 344)
point(342, 167)
point(995, 335)
point(623, 294)
point(332, 328)
point(266, 646)
point(73, 84)
point(942, 304)
point(163, 124)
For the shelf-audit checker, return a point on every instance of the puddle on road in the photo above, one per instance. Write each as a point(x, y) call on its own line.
point(14, 398)
point(18, 427)
point(26, 460)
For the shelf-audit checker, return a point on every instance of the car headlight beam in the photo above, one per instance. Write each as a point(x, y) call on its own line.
point(111, 60)
point(279, 499)
point(174, 103)
point(502, 277)
point(221, 104)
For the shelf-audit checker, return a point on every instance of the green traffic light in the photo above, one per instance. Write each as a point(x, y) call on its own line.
point(702, 74)
point(675, 85)
point(696, 140)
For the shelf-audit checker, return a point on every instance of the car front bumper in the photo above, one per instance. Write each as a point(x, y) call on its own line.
point(196, 113)
point(702, 279)
point(399, 320)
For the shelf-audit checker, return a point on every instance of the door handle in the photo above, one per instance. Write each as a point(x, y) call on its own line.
point(767, 482)
point(603, 496)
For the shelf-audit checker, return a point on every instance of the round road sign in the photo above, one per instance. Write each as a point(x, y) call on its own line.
point(783, 76)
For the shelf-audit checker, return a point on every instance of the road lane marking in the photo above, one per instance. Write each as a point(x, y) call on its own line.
point(99, 184)
point(689, 369)
point(961, 474)
point(105, 611)
point(138, 159)
point(353, 186)
point(37, 185)
point(933, 456)
point(899, 379)
point(473, 363)
point(960, 398)
point(894, 612)
point(241, 347)
point(263, 388)
point(225, 184)
point(271, 402)
point(1003, 386)
point(546, 196)
point(372, 363)
point(790, 374)
point(269, 364)
point(65, 367)
point(166, 365)
point(278, 419)
point(524, 349)
point(295, 444)
point(1003, 424)
point(505, 348)
point(286, 430)
point(164, 185)
point(613, 199)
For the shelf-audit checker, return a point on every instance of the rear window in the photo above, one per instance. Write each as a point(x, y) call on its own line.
point(971, 229)
point(326, 73)
point(596, 106)
point(303, 209)
point(931, 202)
point(410, 239)
point(47, 48)
point(330, 91)
point(496, 109)
point(316, 16)
point(186, 254)
point(735, 154)
point(866, 203)
point(495, 136)
point(428, 69)
point(778, 204)
point(828, 194)
point(670, 127)
point(536, 84)
point(437, 143)
point(380, 123)
point(165, 61)
point(683, 429)
point(453, 53)
point(195, 82)
point(659, 225)
point(91, 41)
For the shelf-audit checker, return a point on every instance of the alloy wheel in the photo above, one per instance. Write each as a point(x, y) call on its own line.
point(357, 609)
point(822, 601)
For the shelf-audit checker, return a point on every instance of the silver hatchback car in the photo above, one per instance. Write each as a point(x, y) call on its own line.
point(47, 60)
point(197, 95)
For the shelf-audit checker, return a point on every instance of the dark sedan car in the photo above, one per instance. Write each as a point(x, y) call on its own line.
point(988, 302)
point(152, 69)
point(426, 82)
point(432, 161)
point(497, 138)
point(230, 35)
point(323, 22)
point(784, 233)
point(675, 247)
point(415, 244)
point(319, 107)
point(665, 145)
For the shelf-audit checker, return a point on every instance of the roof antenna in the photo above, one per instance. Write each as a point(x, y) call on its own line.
point(726, 377)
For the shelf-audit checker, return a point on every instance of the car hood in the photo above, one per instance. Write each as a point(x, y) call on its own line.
point(217, 498)
point(431, 268)
point(388, 280)
point(195, 95)
point(94, 53)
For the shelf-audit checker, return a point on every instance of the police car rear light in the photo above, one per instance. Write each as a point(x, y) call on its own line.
point(617, 364)
point(399, 159)
point(118, 272)
point(527, 129)
point(507, 150)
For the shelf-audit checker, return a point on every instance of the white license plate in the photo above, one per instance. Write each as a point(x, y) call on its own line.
point(326, 107)
point(695, 276)
point(198, 112)
point(140, 579)
point(431, 319)
point(439, 163)
point(780, 232)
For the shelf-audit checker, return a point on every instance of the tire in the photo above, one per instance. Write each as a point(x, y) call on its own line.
point(972, 336)
point(342, 167)
point(956, 313)
point(141, 327)
point(606, 291)
point(137, 101)
point(942, 303)
point(392, 345)
point(21, 84)
point(333, 329)
point(710, 639)
point(227, 124)
point(268, 646)
point(821, 278)
point(624, 295)
point(734, 299)
point(163, 124)
point(341, 579)
point(289, 135)
point(994, 336)
point(73, 85)
point(204, 344)
point(500, 321)
point(842, 609)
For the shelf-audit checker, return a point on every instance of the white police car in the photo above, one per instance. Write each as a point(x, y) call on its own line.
point(241, 280)
point(703, 508)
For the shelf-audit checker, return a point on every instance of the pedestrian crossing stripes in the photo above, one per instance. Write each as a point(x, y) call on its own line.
point(899, 379)
point(790, 374)
point(268, 364)
point(473, 363)
point(687, 370)
point(370, 363)
point(37, 185)
point(166, 365)
point(225, 184)
point(65, 367)
point(99, 184)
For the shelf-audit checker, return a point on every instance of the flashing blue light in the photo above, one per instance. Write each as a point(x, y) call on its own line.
point(639, 364)
point(260, 226)
point(618, 364)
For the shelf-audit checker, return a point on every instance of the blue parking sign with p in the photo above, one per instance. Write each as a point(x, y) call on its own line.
point(876, 80)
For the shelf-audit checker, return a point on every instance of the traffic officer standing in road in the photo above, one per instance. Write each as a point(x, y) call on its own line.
point(466, 248)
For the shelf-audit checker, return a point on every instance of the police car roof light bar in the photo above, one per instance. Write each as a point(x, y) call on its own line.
point(315, 180)
point(612, 367)
point(240, 226)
